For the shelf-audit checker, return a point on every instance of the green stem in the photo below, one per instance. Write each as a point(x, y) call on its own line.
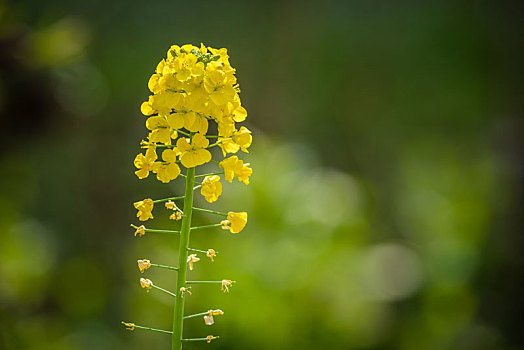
point(165, 267)
point(205, 226)
point(204, 175)
point(178, 321)
point(218, 142)
point(206, 282)
point(196, 315)
point(183, 133)
point(197, 250)
point(150, 329)
point(168, 199)
point(199, 339)
point(156, 231)
point(163, 290)
point(209, 211)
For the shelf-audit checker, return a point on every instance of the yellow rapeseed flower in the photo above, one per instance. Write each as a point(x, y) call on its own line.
point(145, 162)
point(244, 173)
point(144, 207)
point(195, 153)
point(237, 221)
point(234, 167)
point(243, 138)
point(211, 188)
point(168, 169)
point(161, 131)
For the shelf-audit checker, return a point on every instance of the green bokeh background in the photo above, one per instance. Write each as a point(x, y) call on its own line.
point(385, 205)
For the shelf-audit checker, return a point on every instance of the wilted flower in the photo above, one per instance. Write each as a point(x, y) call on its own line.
point(143, 264)
point(144, 208)
point(191, 259)
point(211, 254)
point(146, 283)
point(140, 231)
point(225, 285)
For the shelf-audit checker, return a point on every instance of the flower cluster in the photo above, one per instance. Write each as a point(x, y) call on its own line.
point(191, 88)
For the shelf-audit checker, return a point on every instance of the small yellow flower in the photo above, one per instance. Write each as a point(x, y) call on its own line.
point(191, 259)
point(243, 138)
point(146, 283)
point(225, 285)
point(144, 163)
point(168, 169)
point(144, 207)
point(140, 231)
point(210, 337)
point(211, 254)
point(237, 220)
point(211, 188)
point(244, 173)
point(234, 167)
point(143, 264)
point(170, 205)
point(195, 153)
point(176, 216)
point(129, 326)
point(160, 130)
point(184, 290)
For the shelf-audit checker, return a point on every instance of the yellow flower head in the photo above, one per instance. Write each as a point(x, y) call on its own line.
point(237, 221)
point(146, 283)
point(143, 264)
point(194, 154)
point(140, 231)
point(225, 285)
point(191, 259)
point(211, 188)
point(144, 207)
point(170, 205)
point(211, 253)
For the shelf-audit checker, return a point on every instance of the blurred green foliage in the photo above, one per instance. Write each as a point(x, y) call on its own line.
point(384, 205)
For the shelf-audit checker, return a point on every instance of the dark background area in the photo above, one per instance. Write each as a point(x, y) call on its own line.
point(386, 201)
